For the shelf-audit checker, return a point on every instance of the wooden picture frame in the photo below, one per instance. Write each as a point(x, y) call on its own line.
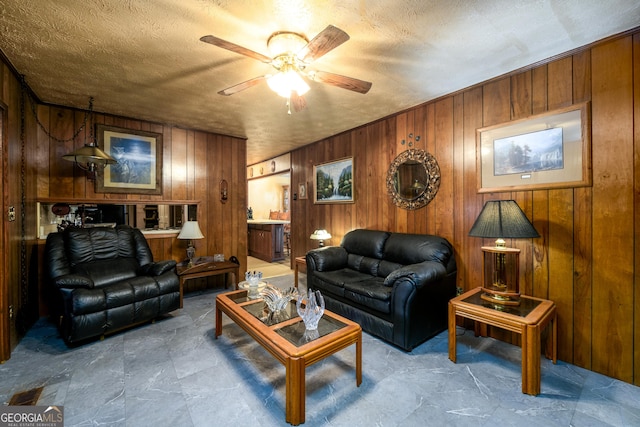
point(302, 191)
point(139, 156)
point(549, 150)
point(333, 182)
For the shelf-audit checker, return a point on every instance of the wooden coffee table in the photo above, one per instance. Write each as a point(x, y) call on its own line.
point(286, 340)
point(528, 319)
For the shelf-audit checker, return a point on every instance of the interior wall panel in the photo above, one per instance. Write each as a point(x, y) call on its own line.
point(612, 126)
point(577, 261)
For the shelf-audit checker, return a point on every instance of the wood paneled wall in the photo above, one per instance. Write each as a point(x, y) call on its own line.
point(194, 164)
point(587, 259)
point(18, 303)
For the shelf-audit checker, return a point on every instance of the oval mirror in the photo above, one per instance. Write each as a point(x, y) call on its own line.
point(413, 179)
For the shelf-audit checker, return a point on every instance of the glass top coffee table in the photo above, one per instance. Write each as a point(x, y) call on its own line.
point(285, 337)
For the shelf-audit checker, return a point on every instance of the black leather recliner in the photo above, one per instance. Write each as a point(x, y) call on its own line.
point(396, 286)
point(105, 280)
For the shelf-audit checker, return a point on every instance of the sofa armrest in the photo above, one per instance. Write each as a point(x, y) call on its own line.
point(420, 274)
point(157, 268)
point(73, 281)
point(327, 258)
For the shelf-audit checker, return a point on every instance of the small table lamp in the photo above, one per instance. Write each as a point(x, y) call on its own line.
point(190, 231)
point(502, 219)
point(321, 236)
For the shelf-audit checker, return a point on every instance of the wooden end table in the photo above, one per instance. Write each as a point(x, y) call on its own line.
point(528, 319)
point(204, 267)
point(299, 261)
point(286, 339)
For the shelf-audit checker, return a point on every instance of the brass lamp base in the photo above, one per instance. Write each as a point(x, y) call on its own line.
point(191, 252)
point(503, 298)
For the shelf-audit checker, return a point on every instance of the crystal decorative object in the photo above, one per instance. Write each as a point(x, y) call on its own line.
point(310, 308)
point(253, 278)
point(276, 298)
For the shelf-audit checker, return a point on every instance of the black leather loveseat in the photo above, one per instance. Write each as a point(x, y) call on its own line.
point(396, 286)
point(105, 280)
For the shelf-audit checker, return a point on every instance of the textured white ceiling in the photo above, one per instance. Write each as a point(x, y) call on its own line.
point(143, 58)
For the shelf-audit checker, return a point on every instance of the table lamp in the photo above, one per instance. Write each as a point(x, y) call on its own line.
point(190, 231)
point(502, 219)
point(321, 236)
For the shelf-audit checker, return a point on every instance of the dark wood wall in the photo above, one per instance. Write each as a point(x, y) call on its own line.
point(194, 164)
point(588, 256)
point(586, 259)
point(10, 250)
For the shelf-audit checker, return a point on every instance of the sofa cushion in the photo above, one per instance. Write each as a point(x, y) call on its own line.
point(368, 243)
point(87, 246)
point(118, 294)
point(387, 267)
point(106, 272)
point(327, 258)
point(144, 288)
point(415, 248)
point(370, 293)
point(334, 281)
point(363, 264)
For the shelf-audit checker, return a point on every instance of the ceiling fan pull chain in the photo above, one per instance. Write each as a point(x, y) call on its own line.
point(289, 104)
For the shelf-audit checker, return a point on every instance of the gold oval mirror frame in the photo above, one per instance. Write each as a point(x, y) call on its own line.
point(413, 179)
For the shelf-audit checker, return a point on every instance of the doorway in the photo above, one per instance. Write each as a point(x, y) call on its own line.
point(268, 201)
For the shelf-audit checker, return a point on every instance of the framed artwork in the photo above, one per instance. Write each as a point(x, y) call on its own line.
point(302, 191)
point(139, 156)
point(549, 150)
point(333, 181)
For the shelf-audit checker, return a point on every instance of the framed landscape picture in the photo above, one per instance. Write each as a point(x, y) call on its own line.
point(549, 150)
point(333, 181)
point(139, 157)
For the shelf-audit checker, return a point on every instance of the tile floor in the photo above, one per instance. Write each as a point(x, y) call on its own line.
point(174, 373)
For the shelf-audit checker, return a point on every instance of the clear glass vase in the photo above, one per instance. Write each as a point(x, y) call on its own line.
point(253, 277)
point(310, 308)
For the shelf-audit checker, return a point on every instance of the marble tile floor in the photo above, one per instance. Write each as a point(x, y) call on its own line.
point(174, 373)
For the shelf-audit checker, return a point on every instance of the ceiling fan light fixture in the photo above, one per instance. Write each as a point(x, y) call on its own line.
point(286, 43)
point(285, 82)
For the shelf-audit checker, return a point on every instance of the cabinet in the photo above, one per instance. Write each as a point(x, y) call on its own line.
point(266, 242)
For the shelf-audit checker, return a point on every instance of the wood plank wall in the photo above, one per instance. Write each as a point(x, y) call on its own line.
point(194, 164)
point(15, 316)
point(587, 259)
point(187, 175)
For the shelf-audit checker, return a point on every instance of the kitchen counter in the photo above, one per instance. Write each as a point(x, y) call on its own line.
point(267, 221)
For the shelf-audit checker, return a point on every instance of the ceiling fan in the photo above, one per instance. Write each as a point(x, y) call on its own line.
point(292, 53)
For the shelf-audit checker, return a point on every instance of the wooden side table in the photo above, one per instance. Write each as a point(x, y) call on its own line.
point(528, 319)
point(299, 261)
point(204, 267)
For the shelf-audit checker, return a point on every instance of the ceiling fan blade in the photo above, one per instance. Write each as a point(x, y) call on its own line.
point(242, 86)
point(235, 48)
point(327, 40)
point(343, 82)
point(298, 102)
